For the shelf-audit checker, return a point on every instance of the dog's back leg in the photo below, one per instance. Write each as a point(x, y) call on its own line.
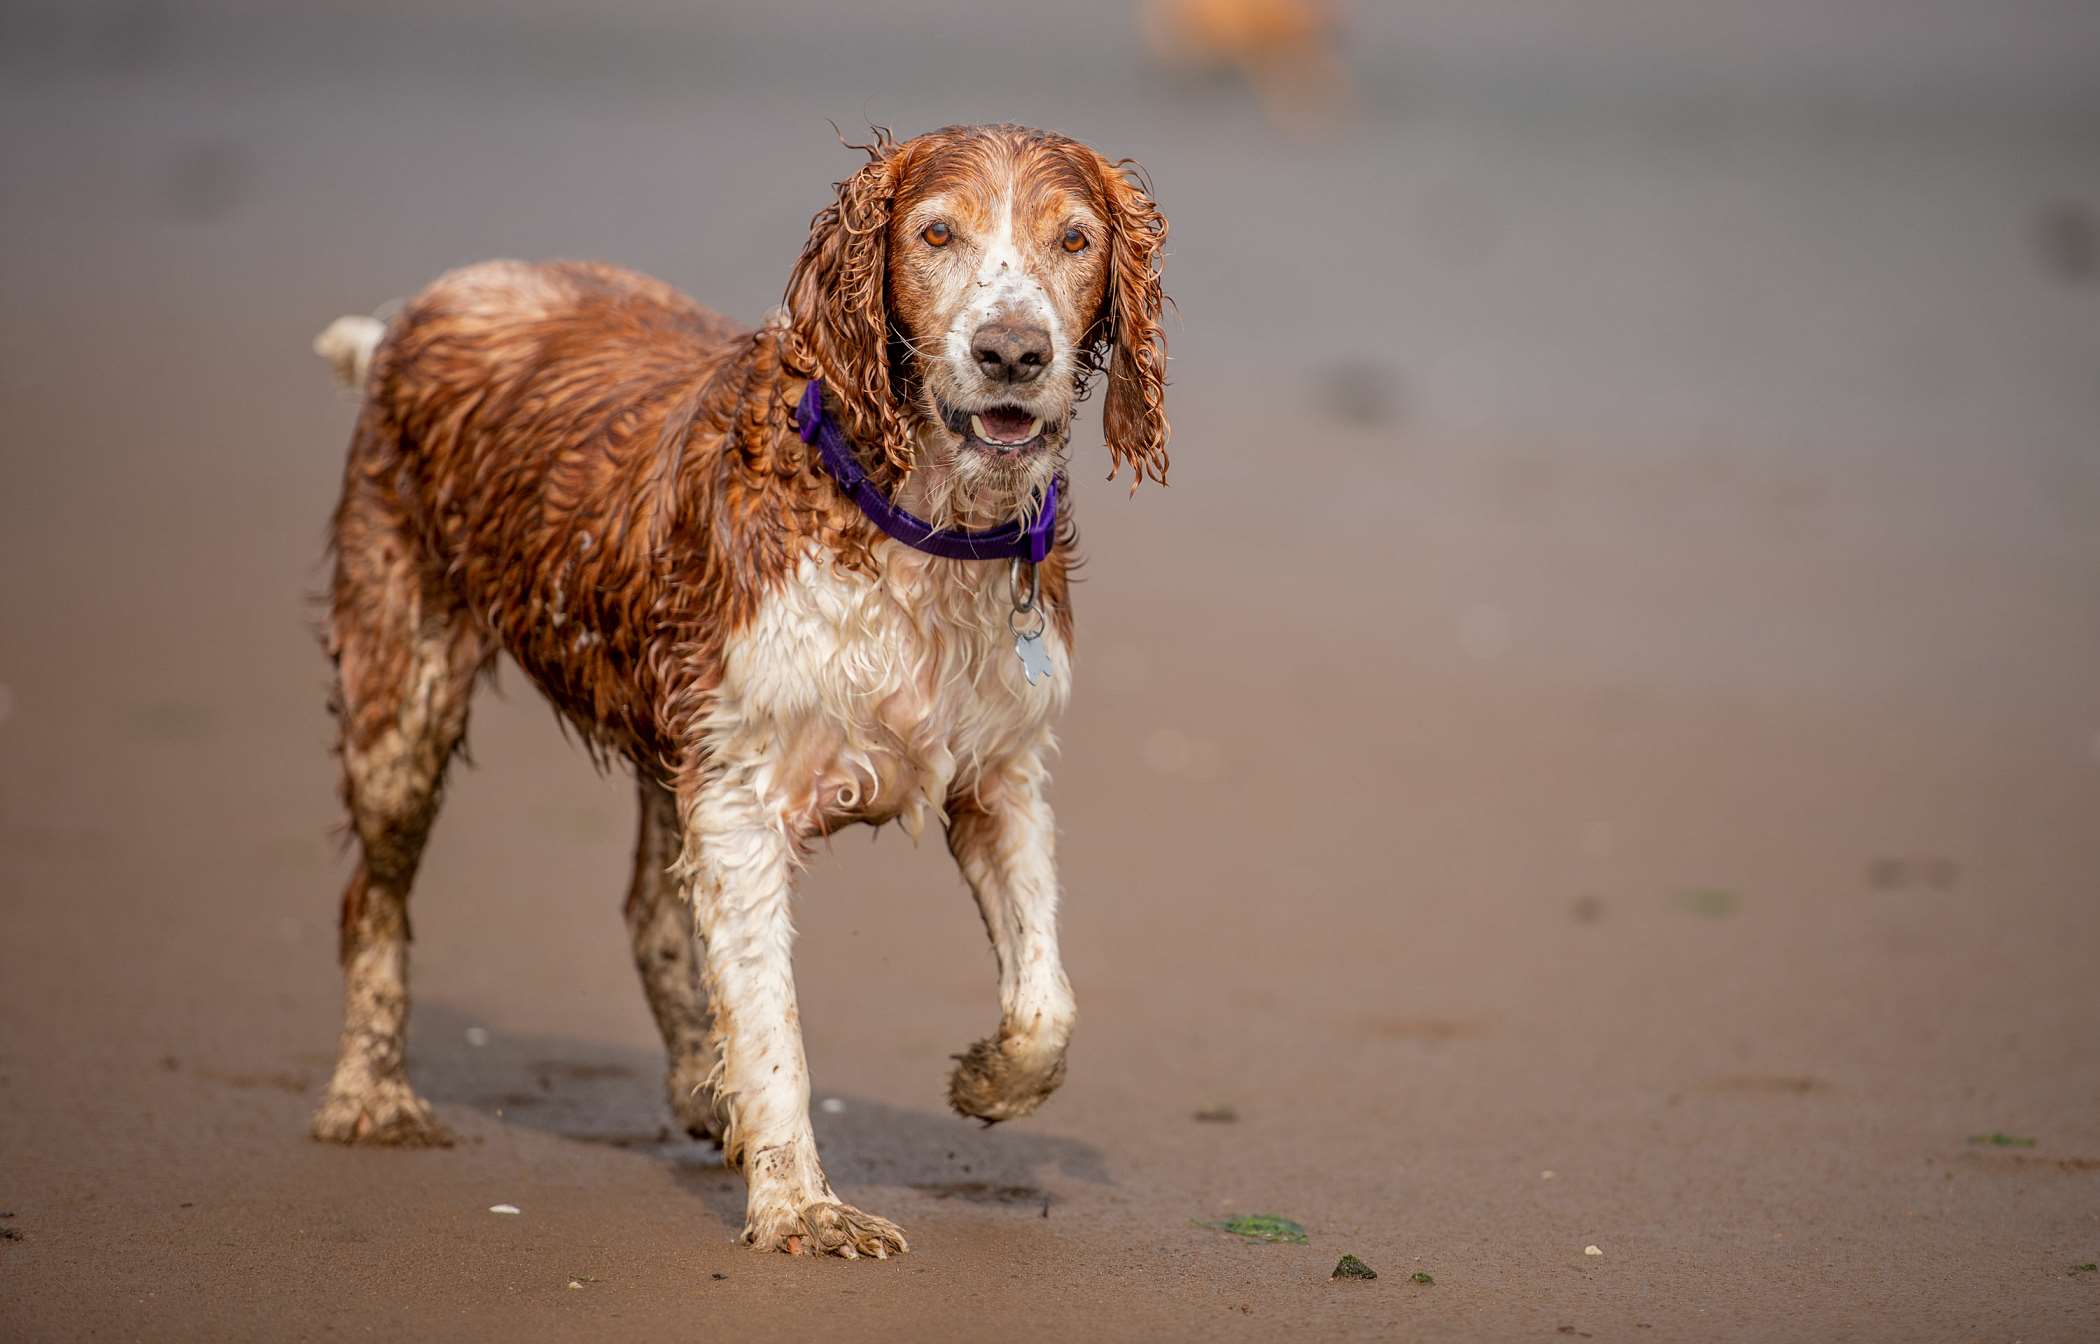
point(406, 655)
point(660, 925)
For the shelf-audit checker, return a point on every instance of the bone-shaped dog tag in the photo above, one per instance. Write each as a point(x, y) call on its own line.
point(1034, 656)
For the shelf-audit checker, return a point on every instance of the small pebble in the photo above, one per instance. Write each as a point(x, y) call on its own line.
point(1349, 1267)
point(1591, 1250)
point(832, 1106)
point(574, 1284)
point(1547, 1175)
point(504, 1208)
point(477, 1036)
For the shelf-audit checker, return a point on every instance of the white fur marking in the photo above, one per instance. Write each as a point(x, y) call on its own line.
point(1004, 284)
point(888, 691)
point(862, 697)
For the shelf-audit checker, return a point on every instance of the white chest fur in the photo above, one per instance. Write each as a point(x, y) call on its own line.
point(856, 697)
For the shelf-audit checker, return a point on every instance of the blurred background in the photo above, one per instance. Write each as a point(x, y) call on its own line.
point(1599, 744)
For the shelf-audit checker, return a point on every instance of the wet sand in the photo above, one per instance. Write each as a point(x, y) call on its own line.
point(1600, 744)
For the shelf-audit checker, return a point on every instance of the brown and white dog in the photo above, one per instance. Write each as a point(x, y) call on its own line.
point(580, 466)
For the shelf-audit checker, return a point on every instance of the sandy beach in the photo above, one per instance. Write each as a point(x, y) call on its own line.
point(1599, 745)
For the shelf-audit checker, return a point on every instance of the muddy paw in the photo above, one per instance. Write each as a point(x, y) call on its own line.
point(379, 1113)
point(825, 1228)
point(995, 1081)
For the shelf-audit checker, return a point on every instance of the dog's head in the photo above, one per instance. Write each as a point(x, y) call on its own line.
point(959, 295)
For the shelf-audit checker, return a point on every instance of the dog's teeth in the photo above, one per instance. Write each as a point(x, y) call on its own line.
point(977, 426)
point(1035, 427)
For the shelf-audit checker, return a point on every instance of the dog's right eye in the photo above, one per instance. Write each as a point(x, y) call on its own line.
point(937, 234)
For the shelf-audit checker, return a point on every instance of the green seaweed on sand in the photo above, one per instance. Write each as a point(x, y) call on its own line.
point(1422, 1276)
point(1349, 1267)
point(1994, 1139)
point(1712, 902)
point(1262, 1227)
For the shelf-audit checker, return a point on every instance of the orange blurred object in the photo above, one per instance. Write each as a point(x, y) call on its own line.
point(1289, 50)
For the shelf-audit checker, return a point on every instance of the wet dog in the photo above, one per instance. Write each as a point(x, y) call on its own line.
point(579, 466)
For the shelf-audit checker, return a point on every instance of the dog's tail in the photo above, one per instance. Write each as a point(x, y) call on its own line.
point(347, 345)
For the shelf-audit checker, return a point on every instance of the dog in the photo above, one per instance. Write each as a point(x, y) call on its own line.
point(794, 577)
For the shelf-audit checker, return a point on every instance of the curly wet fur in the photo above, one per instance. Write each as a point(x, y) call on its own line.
point(839, 320)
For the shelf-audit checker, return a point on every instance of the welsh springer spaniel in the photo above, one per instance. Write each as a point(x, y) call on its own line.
point(580, 466)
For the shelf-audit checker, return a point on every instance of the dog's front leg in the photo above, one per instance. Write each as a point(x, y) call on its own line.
point(739, 862)
point(1004, 840)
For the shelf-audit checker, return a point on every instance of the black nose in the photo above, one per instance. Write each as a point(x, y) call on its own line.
point(1008, 351)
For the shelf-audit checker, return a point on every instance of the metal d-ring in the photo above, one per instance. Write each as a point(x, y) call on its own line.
point(1024, 606)
point(1035, 585)
point(1017, 618)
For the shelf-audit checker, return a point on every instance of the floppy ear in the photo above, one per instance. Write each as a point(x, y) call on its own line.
point(838, 309)
point(1134, 412)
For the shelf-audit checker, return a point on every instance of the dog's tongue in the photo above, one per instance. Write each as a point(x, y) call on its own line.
point(1006, 424)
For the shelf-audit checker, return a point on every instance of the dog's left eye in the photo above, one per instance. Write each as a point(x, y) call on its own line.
point(936, 234)
point(1075, 241)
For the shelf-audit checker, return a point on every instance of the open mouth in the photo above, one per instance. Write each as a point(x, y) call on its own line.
point(1004, 430)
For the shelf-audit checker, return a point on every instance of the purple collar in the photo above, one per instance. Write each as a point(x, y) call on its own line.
point(1011, 542)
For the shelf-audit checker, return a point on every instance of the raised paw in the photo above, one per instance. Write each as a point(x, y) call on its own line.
point(826, 1228)
point(385, 1112)
point(1000, 1080)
